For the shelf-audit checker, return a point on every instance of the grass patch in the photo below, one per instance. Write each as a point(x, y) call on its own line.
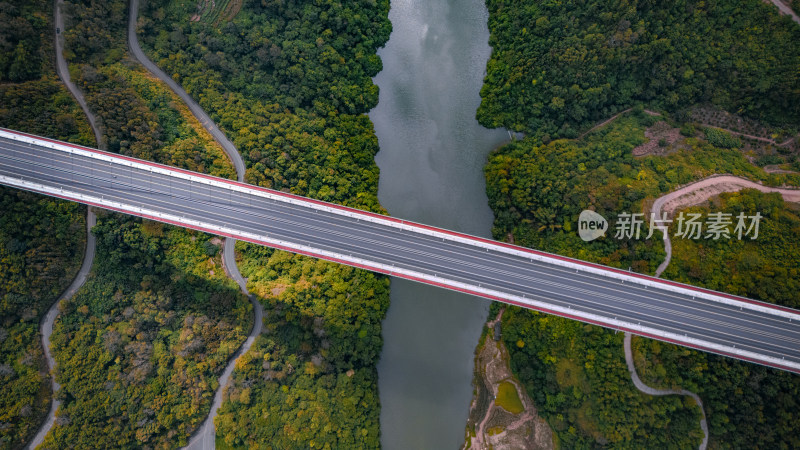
point(568, 373)
point(494, 430)
point(508, 399)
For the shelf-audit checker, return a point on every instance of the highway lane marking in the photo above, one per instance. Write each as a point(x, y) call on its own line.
point(552, 259)
point(483, 269)
point(473, 241)
point(619, 300)
point(547, 307)
point(665, 293)
point(110, 165)
point(606, 273)
point(560, 294)
point(553, 309)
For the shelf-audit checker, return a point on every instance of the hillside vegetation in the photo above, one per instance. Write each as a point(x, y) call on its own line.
point(537, 191)
point(559, 66)
point(41, 239)
point(747, 405)
point(138, 349)
point(576, 373)
point(290, 83)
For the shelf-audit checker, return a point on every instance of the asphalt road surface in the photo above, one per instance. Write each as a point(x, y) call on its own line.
point(199, 113)
point(731, 327)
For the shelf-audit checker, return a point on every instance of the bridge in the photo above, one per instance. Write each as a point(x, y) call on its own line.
point(699, 318)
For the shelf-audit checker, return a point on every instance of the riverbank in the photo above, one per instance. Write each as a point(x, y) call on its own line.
point(512, 421)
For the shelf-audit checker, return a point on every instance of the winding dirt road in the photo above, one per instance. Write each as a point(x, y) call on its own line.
point(47, 325)
point(205, 436)
point(690, 195)
point(700, 191)
point(653, 391)
point(91, 220)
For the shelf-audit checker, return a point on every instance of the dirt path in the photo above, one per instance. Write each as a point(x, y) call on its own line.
point(700, 191)
point(47, 325)
point(653, 391)
point(88, 256)
point(194, 107)
point(690, 195)
point(205, 436)
point(479, 441)
point(497, 428)
point(753, 137)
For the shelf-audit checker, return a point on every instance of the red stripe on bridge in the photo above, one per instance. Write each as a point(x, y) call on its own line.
point(414, 224)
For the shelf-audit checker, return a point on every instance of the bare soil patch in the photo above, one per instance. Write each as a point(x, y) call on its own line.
point(490, 426)
point(662, 138)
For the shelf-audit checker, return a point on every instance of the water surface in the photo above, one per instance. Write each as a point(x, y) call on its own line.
point(431, 160)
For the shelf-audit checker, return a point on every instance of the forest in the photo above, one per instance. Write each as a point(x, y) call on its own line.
point(747, 405)
point(289, 82)
point(41, 239)
point(577, 377)
point(296, 137)
point(313, 369)
point(41, 246)
point(559, 66)
point(139, 347)
point(537, 191)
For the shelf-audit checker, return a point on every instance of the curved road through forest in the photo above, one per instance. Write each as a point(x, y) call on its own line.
point(205, 436)
point(690, 195)
point(197, 111)
point(785, 9)
point(91, 219)
point(63, 72)
point(700, 191)
point(47, 324)
point(653, 391)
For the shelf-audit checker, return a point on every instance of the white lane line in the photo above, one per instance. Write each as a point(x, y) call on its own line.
point(552, 268)
point(604, 274)
point(554, 293)
point(568, 288)
point(409, 226)
point(618, 299)
point(410, 273)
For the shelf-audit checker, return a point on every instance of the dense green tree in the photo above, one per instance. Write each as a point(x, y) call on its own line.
point(41, 239)
point(41, 244)
point(139, 347)
point(537, 192)
point(558, 66)
point(747, 405)
point(290, 83)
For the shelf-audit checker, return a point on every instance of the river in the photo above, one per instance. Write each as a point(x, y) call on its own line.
point(432, 156)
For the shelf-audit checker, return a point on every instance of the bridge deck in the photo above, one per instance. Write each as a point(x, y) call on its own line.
point(698, 318)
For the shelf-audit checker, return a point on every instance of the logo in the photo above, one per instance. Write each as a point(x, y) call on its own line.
point(591, 225)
